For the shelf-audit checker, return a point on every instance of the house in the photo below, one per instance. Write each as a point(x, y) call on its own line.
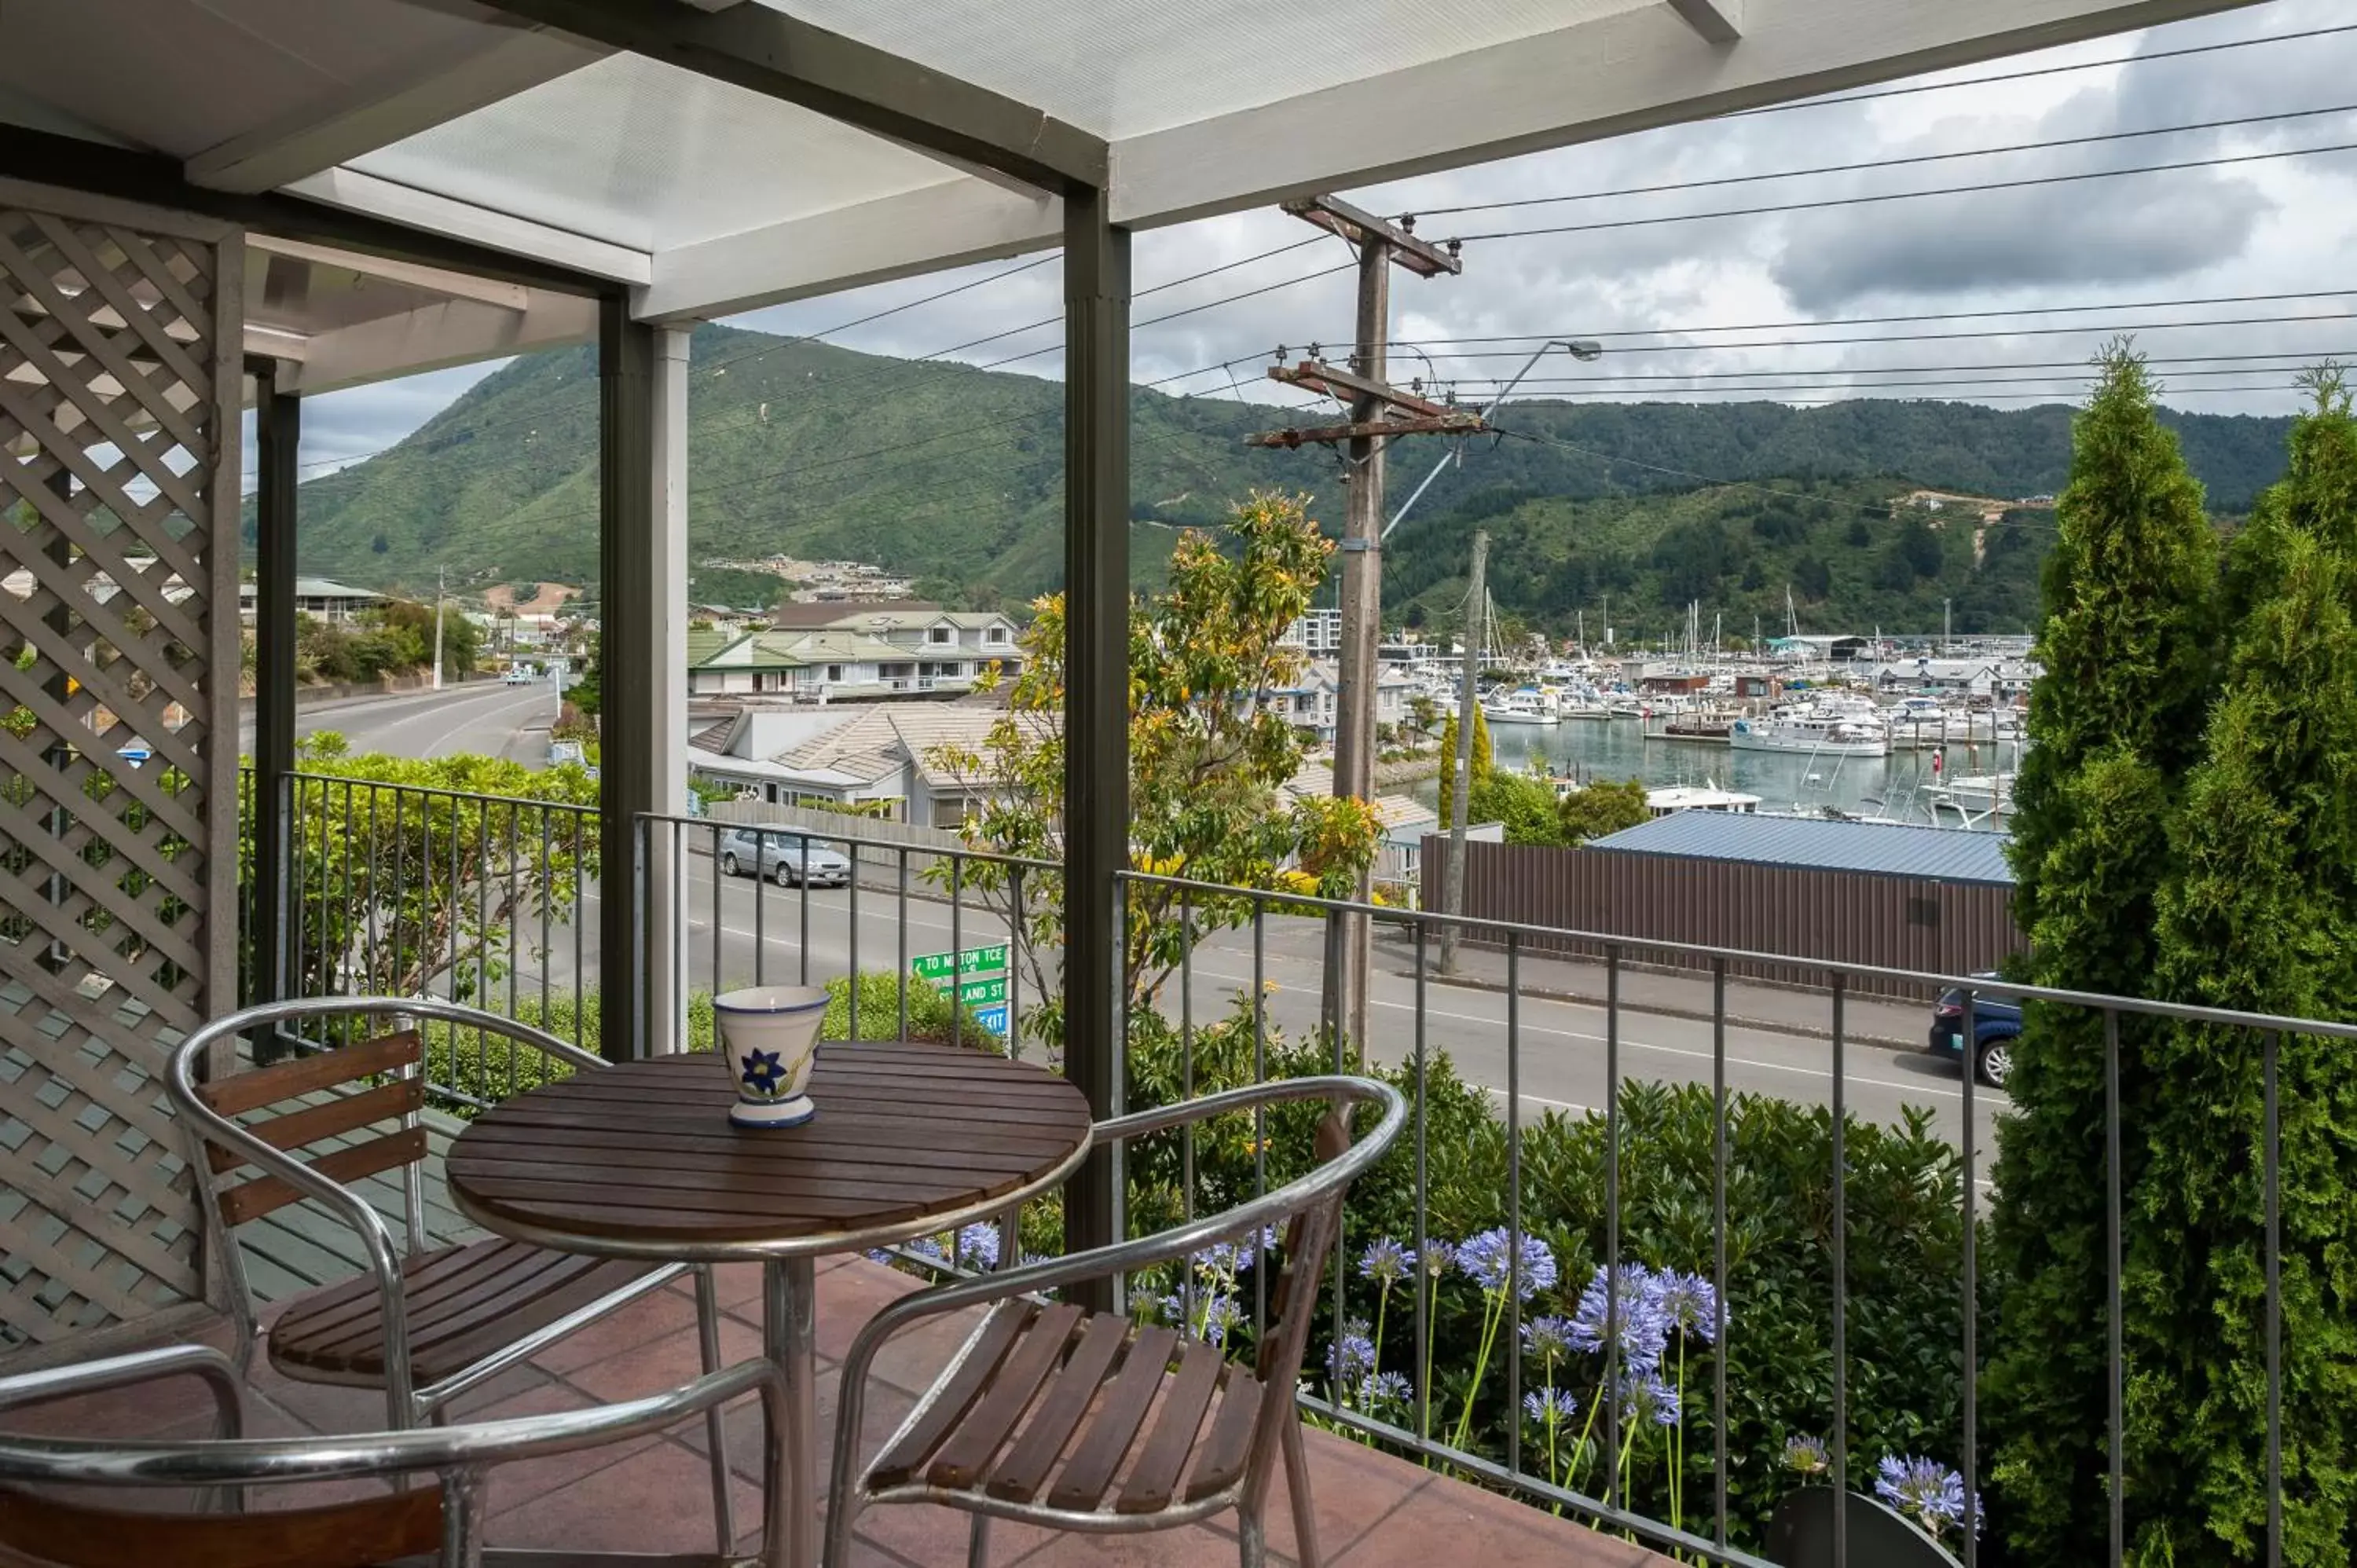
point(1399, 855)
point(822, 652)
point(334, 602)
point(852, 757)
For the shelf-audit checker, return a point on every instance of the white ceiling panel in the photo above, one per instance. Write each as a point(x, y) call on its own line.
point(1123, 68)
point(640, 154)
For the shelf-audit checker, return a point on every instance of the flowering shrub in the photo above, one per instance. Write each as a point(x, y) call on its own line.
point(1475, 1285)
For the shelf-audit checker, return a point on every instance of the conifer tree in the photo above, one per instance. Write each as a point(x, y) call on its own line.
point(2116, 720)
point(1484, 762)
point(2261, 916)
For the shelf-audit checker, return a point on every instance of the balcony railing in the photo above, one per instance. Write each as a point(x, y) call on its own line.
point(1818, 1194)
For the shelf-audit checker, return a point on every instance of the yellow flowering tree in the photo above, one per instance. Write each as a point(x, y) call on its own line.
point(1210, 757)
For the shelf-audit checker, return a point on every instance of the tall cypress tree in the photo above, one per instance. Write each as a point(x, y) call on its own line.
point(2261, 916)
point(2127, 653)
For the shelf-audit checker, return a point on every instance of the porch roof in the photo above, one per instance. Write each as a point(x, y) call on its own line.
point(710, 156)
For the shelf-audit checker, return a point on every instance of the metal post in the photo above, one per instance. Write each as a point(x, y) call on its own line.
point(629, 700)
point(277, 429)
point(662, 577)
point(1452, 889)
point(1096, 713)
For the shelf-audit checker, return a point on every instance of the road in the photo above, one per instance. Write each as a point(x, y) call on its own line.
point(1560, 1045)
point(485, 717)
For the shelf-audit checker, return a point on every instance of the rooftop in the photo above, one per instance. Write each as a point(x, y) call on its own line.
point(1884, 849)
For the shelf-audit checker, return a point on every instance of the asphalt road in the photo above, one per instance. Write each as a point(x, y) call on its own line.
point(484, 717)
point(1559, 1048)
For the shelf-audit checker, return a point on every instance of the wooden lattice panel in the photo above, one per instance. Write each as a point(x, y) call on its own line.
point(118, 624)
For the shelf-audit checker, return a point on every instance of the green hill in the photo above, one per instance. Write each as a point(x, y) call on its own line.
point(954, 475)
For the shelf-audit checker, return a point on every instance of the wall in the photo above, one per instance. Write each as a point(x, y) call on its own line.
point(1893, 922)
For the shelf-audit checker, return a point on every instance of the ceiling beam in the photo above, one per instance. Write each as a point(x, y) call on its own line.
point(1630, 70)
point(409, 275)
point(456, 80)
point(427, 212)
point(451, 332)
point(44, 158)
point(1720, 21)
point(951, 224)
point(767, 51)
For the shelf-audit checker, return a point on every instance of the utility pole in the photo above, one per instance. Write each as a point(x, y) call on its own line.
point(1379, 412)
point(1452, 889)
point(437, 629)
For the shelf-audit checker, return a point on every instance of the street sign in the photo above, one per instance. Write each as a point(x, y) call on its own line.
point(973, 961)
point(993, 1018)
point(975, 992)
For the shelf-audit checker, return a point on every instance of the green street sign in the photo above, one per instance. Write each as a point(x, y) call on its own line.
point(973, 961)
point(975, 993)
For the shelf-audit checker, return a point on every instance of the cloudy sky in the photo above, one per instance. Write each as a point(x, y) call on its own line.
point(1667, 299)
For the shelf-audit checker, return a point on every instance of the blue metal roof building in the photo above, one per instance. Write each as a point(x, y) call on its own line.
point(1882, 849)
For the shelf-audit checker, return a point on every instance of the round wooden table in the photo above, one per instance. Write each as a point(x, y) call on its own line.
point(640, 1161)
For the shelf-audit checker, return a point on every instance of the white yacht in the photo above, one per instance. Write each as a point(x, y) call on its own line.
point(1972, 801)
point(1675, 798)
point(1527, 706)
point(1821, 728)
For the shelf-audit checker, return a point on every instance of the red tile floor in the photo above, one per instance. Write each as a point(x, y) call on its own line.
point(654, 1494)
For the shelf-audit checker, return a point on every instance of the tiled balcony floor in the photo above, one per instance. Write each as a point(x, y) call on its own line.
point(654, 1494)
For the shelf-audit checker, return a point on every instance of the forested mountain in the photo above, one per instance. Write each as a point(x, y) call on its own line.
point(954, 475)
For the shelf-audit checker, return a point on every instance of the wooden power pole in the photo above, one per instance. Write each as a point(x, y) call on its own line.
point(1460, 767)
point(1379, 412)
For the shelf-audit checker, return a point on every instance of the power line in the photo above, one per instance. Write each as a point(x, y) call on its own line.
point(2038, 72)
point(1909, 195)
point(2302, 356)
point(1892, 163)
point(1887, 320)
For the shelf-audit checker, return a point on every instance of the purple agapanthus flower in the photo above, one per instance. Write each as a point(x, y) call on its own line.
point(1548, 1340)
point(1383, 1390)
point(977, 1246)
point(1688, 1304)
point(1545, 1405)
point(1807, 1456)
point(1645, 1397)
point(1488, 1261)
point(1352, 1357)
point(1924, 1490)
point(1386, 1262)
point(1435, 1258)
point(1634, 1312)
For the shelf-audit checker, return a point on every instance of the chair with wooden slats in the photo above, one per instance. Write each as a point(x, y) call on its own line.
point(423, 1324)
point(55, 1509)
point(1090, 1422)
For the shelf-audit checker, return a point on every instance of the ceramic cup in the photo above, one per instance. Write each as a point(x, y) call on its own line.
point(769, 1035)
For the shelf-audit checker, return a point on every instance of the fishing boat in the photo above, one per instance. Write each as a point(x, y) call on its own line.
point(1527, 706)
point(1971, 800)
point(1820, 728)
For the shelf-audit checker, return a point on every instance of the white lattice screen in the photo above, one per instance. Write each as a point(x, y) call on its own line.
point(119, 391)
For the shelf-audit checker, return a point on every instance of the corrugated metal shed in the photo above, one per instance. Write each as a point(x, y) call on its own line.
point(1884, 849)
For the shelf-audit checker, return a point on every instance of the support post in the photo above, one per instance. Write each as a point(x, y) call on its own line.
point(629, 654)
point(277, 434)
point(666, 600)
point(1096, 696)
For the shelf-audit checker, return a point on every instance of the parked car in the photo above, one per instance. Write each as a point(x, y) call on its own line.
point(793, 861)
point(1997, 1024)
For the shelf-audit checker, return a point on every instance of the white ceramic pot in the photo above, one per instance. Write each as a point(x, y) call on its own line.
point(769, 1037)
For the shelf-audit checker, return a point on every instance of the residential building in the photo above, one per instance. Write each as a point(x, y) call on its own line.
point(335, 603)
point(857, 756)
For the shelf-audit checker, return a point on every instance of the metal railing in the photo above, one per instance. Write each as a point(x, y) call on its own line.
point(398, 889)
point(1547, 1042)
point(1246, 925)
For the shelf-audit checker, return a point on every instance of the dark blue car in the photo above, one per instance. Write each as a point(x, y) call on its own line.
point(1997, 1024)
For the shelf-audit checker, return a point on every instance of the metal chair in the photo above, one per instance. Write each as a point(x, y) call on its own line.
point(1096, 1376)
point(1801, 1533)
point(440, 1523)
point(425, 1324)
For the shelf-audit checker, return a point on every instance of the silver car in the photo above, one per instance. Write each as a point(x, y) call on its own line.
point(784, 855)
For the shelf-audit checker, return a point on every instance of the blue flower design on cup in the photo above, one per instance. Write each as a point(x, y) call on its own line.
point(763, 1073)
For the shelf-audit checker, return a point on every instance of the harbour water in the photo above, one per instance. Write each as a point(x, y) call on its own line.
point(1897, 786)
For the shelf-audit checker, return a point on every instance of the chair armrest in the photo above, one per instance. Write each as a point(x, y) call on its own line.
point(254, 1461)
point(202, 1361)
point(1330, 1178)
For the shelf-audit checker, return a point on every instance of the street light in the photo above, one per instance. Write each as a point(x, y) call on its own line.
point(1586, 350)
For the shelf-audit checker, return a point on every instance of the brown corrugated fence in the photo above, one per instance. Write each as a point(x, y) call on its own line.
point(1895, 922)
